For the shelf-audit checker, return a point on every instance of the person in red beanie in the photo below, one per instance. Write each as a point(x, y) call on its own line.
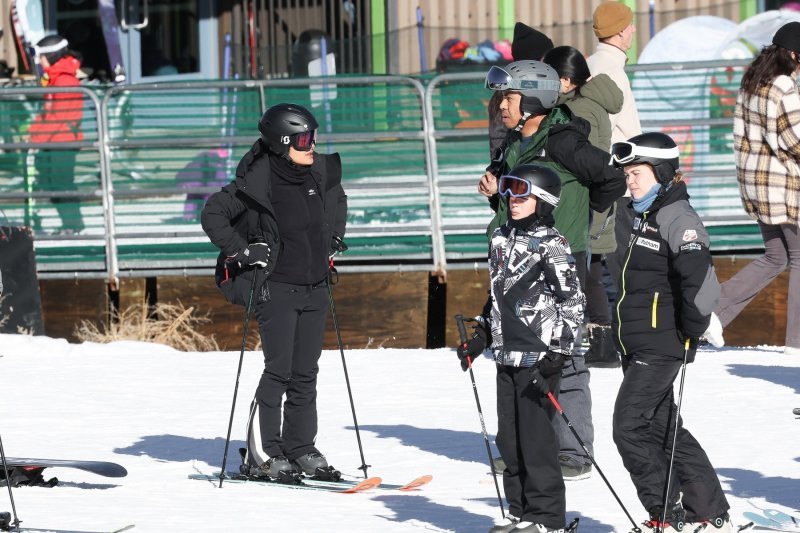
point(58, 122)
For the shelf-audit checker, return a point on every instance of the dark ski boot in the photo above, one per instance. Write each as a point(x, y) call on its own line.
point(316, 466)
point(278, 469)
point(5, 521)
point(602, 353)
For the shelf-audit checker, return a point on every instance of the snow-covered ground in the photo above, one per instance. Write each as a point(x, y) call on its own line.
point(163, 415)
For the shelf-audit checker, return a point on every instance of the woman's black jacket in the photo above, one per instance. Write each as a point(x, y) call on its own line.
point(242, 213)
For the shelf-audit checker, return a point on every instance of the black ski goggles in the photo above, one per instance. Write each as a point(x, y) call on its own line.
point(304, 141)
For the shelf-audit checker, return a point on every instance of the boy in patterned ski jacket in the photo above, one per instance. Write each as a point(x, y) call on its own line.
point(536, 307)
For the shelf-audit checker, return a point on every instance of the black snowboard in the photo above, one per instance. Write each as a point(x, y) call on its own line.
point(28, 472)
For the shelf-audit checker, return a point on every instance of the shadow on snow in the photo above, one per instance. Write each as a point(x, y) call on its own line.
point(780, 375)
point(457, 445)
point(750, 484)
point(179, 449)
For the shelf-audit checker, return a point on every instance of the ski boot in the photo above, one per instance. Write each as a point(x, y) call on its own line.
point(5, 521)
point(673, 524)
point(506, 525)
point(278, 469)
point(530, 527)
point(602, 353)
point(316, 466)
point(720, 524)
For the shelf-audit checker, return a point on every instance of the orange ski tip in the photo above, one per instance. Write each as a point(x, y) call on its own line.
point(420, 481)
point(367, 484)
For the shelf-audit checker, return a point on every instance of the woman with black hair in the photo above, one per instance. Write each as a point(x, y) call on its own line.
point(593, 99)
point(279, 222)
point(766, 141)
point(59, 122)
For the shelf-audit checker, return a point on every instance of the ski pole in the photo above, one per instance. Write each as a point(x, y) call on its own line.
point(247, 313)
point(8, 484)
point(591, 458)
point(675, 436)
point(364, 466)
point(462, 333)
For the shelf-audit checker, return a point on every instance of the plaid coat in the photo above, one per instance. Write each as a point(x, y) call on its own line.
point(766, 140)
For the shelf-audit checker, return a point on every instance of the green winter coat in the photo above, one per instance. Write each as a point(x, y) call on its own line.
point(593, 102)
point(574, 198)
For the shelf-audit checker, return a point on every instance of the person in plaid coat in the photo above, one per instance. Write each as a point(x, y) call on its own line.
point(767, 145)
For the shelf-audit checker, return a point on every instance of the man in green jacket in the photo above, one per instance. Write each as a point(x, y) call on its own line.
point(547, 134)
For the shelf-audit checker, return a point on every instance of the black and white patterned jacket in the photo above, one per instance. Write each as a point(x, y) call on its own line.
point(537, 303)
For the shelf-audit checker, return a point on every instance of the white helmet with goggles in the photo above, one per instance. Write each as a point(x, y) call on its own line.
point(654, 148)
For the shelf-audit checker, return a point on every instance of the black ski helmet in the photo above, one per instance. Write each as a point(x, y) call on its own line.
point(654, 148)
point(281, 121)
point(537, 82)
point(53, 47)
point(544, 184)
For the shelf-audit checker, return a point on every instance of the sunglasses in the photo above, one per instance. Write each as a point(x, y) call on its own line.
point(304, 141)
point(625, 152)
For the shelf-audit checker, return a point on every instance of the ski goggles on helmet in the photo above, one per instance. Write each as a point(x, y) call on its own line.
point(498, 79)
point(516, 187)
point(625, 152)
point(304, 141)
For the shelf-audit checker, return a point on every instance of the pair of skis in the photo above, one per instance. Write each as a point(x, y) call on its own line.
point(309, 483)
point(771, 520)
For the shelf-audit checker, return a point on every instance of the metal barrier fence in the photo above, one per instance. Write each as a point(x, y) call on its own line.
point(126, 199)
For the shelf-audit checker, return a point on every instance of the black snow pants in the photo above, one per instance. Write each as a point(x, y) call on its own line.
point(292, 326)
point(644, 424)
point(527, 442)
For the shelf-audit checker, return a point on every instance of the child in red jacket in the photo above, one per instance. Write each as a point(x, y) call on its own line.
point(59, 122)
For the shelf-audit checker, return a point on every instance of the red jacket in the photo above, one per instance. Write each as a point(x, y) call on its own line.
point(60, 119)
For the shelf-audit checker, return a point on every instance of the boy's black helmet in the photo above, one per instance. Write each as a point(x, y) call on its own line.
point(281, 121)
point(545, 185)
point(654, 148)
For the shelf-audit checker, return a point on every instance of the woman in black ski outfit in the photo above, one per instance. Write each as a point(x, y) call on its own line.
point(280, 220)
point(667, 292)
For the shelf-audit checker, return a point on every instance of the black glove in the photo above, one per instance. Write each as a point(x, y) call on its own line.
point(256, 254)
point(547, 366)
point(337, 245)
point(468, 351)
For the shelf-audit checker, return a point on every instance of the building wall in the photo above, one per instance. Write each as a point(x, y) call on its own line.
point(565, 21)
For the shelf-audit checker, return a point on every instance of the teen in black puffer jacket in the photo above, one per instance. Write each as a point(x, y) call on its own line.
point(667, 293)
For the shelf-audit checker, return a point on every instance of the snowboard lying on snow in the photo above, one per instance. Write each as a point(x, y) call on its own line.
point(28, 472)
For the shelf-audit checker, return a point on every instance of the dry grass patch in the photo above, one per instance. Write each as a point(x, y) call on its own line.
point(170, 324)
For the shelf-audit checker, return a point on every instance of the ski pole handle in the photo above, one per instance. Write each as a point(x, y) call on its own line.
point(462, 330)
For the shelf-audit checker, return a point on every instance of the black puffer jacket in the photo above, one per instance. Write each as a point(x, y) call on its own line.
point(669, 286)
point(242, 212)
